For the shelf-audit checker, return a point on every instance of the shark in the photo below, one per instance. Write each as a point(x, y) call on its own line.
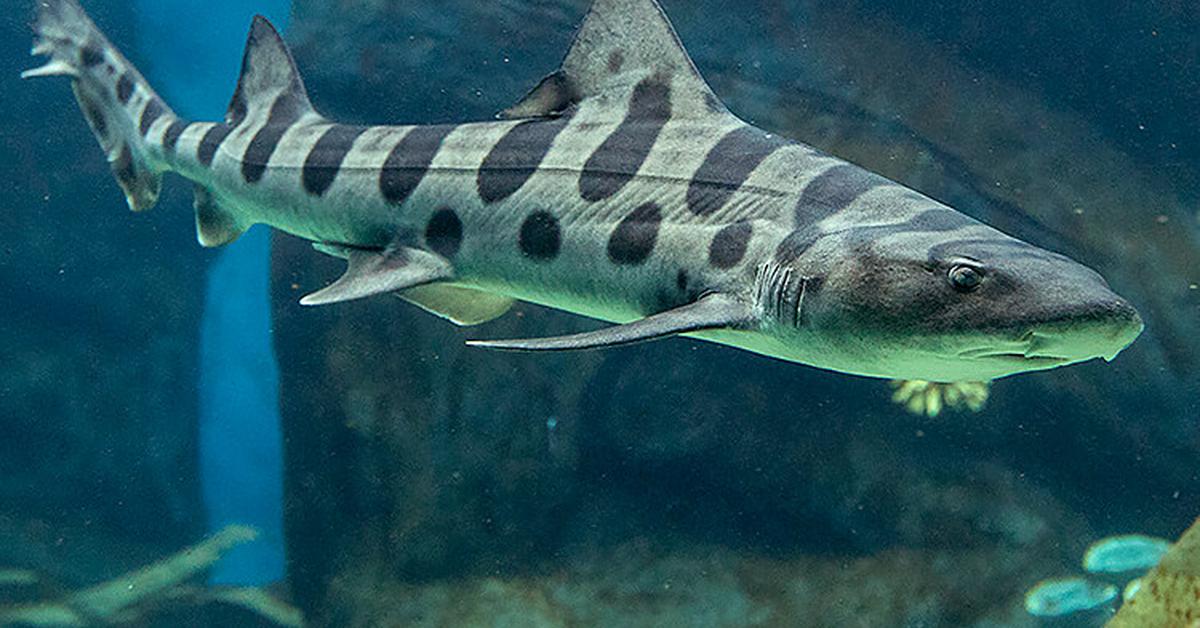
point(621, 188)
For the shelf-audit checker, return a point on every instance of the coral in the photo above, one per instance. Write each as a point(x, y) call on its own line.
point(1170, 594)
point(130, 597)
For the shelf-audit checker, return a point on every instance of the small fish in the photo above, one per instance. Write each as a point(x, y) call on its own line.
point(620, 188)
point(1059, 597)
point(1124, 553)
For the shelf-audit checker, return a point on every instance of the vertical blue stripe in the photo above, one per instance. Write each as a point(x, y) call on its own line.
point(194, 50)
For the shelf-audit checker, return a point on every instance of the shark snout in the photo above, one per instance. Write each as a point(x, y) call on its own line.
point(1100, 328)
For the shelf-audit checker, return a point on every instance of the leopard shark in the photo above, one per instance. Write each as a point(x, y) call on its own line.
point(620, 188)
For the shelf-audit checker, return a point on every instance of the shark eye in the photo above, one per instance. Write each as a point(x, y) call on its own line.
point(965, 278)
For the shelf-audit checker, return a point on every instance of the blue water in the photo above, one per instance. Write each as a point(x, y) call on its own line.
point(155, 393)
point(241, 467)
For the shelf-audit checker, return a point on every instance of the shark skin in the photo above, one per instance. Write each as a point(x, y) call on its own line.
point(621, 189)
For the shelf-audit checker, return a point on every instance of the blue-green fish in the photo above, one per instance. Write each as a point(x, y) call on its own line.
point(620, 188)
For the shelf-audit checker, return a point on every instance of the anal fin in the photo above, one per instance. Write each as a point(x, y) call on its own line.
point(371, 272)
point(461, 306)
point(215, 226)
point(713, 311)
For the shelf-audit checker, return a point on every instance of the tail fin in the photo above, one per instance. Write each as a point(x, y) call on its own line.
point(119, 105)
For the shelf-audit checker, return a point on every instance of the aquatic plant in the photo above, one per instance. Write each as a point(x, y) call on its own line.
point(129, 597)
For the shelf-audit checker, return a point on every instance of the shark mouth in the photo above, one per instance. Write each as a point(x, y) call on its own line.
point(1030, 350)
point(1017, 358)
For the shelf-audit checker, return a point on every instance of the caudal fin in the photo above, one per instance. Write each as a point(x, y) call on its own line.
point(118, 104)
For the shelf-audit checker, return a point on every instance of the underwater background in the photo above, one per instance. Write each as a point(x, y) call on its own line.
point(153, 392)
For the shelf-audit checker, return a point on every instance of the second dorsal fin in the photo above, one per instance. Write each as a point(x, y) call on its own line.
point(619, 43)
point(268, 75)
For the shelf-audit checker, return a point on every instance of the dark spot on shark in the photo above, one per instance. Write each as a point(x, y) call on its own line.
point(729, 246)
point(937, 219)
point(444, 232)
point(123, 167)
point(713, 103)
point(540, 238)
point(285, 111)
point(94, 115)
point(797, 243)
point(833, 190)
point(211, 141)
point(409, 160)
point(153, 110)
point(173, 133)
point(238, 109)
point(681, 280)
point(1008, 248)
point(323, 162)
point(622, 153)
point(91, 56)
point(727, 167)
point(516, 157)
point(616, 59)
point(633, 239)
point(124, 89)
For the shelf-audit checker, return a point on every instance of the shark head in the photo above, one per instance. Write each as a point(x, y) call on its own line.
point(945, 298)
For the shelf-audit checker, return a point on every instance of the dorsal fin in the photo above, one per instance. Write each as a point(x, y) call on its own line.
point(268, 73)
point(619, 43)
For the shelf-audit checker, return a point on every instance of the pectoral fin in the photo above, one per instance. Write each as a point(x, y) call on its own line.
point(713, 311)
point(375, 272)
point(461, 306)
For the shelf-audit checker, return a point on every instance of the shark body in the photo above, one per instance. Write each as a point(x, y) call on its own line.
point(620, 188)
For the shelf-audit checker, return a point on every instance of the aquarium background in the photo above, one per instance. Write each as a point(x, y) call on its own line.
point(673, 483)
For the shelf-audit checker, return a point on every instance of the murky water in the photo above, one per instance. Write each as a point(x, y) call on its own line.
point(358, 465)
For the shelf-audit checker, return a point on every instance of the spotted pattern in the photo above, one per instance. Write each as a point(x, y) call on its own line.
point(714, 104)
point(150, 114)
point(123, 167)
point(729, 246)
point(94, 115)
point(622, 153)
point(632, 241)
point(124, 89)
point(540, 238)
point(797, 243)
point(91, 56)
point(323, 162)
point(444, 232)
point(516, 157)
point(173, 133)
point(285, 111)
point(616, 59)
point(211, 141)
point(727, 167)
point(238, 109)
point(834, 190)
point(409, 160)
